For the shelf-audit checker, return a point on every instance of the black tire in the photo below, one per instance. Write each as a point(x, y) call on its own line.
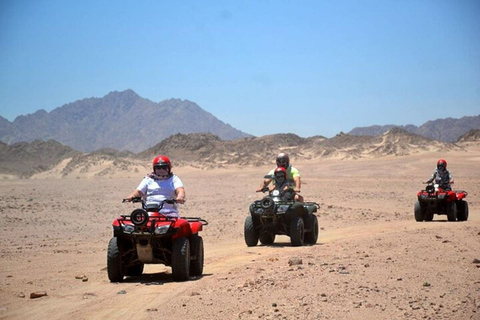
point(417, 209)
point(135, 270)
point(311, 237)
point(462, 211)
point(196, 265)
point(428, 215)
point(114, 261)
point(181, 259)
point(249, 232)
point(267, 238)
point(297, 231)
point(452, 211)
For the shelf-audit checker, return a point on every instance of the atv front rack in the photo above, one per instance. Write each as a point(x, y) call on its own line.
point(194, 219)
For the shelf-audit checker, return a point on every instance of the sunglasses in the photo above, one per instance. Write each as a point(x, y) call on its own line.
point(163, 166)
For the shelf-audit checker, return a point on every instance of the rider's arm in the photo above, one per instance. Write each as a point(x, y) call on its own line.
point(135, 194)
point(298, 183)
point(264, 183)
point(180, 192)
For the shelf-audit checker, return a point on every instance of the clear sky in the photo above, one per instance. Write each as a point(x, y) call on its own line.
point(306, 67)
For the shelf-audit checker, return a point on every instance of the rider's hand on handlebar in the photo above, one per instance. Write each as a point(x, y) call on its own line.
point(180, 199)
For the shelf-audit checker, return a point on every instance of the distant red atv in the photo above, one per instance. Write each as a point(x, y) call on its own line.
point(436, 200)
point(147, 236)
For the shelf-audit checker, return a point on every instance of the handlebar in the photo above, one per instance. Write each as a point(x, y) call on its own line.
point(139, 199)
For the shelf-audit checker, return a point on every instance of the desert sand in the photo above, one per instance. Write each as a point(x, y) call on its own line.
point(372, 260)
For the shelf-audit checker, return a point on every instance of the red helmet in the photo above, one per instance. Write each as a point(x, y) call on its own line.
point(283, 160)
point(280, 171)
point(442, 163)
point(162, 161)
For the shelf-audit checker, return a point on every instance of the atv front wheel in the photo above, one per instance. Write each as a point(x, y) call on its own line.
point(267, 238)
point(418, 212)
point(452, 211)
point(196, 265)
point(297, 231)
point(462, 213)
point(312, 236)
point(181, 259)
point(114, 261)
point(249, 232)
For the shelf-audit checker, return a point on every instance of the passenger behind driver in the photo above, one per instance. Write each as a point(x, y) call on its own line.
point(283, 160)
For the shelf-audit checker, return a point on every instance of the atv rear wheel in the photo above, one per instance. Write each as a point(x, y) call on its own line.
point(462, 213)
point(114, 261)
point(249, 232)
point(312, 236)
point(196, 265)
point(297, 231)
point(267, 238)
point(418, 212)
point(452, 211)
point(181, 259)
point(135, 270)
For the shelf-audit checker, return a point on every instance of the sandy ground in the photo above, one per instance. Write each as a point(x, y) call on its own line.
point(372, 260)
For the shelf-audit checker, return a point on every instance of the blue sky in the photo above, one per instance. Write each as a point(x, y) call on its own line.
point(307, 67)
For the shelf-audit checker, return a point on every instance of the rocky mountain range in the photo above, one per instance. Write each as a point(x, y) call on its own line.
point(119, 120)
point(205, 150)
point(447, 130)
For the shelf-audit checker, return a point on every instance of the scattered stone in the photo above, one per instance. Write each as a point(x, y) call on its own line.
point(152, 309)
point(122, 292)
point(21, 295)
point(274, 305)
point(295, 261)
point(426, 284)
point(476, 260)
point(194, 293)
point(38, 294)
point(399, 279)
point(87, 295)
point(80, 276)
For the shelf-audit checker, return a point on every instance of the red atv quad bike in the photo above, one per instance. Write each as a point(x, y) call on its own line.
point(148, 236)
point(437, 200)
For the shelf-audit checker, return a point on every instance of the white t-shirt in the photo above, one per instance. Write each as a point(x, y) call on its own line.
point(159, 190)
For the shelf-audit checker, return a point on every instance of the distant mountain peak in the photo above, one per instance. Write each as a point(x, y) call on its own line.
point(446, 130)
point(121, 120)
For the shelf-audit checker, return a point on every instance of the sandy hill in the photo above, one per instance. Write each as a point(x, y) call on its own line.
point(205, 150)
point(470, 136)
point(25, 159)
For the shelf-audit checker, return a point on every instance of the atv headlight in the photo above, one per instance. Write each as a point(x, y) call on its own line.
point(283, 208)
point(128, 228)
point(162, 229)
point(275, 193)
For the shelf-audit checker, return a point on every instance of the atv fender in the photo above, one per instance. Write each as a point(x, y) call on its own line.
point(296, 210)
point(195, 227)
point(183, 229)
point(451, 196)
